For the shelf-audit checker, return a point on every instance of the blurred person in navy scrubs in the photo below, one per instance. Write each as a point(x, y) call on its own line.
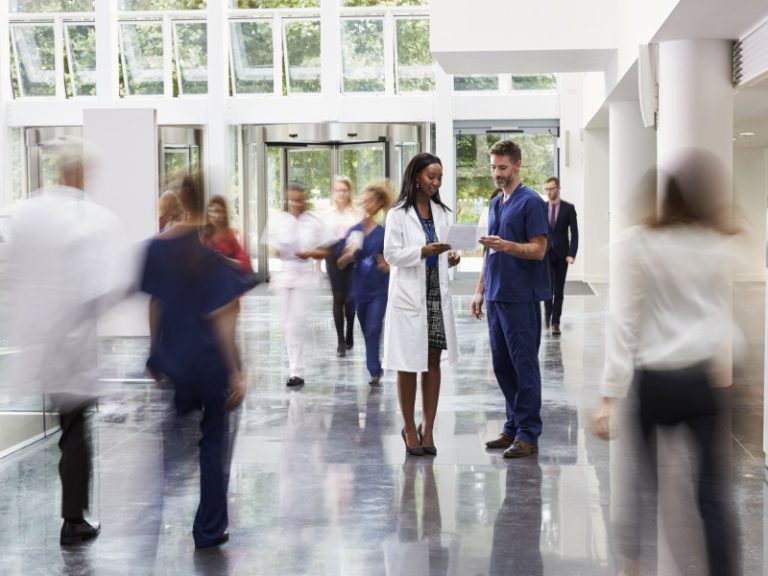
point(514, 280)
point(66, 267)
point(192, 314)
point(363, 247)
point(669, 346)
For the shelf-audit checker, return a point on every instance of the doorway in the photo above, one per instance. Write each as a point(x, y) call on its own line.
point(312, 154)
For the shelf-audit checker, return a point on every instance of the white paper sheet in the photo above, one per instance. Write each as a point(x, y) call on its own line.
point(460, 236)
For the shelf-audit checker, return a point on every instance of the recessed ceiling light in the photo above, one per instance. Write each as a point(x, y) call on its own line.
point(746, 134)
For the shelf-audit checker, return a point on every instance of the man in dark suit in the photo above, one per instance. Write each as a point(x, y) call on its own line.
point(562, 242)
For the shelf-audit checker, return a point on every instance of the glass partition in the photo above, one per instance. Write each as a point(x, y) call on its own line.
point(252, 57)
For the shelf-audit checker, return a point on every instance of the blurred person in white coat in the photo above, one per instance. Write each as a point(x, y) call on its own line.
point(297, 237)
point(66, 266)
point(419, 322)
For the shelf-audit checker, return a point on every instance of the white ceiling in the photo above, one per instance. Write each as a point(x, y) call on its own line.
point(712, 19)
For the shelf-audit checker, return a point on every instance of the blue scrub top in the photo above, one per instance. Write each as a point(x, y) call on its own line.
point(190, 281)
point(508, 278)
point(368, 282)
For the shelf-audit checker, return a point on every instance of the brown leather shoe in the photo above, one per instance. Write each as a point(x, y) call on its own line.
point(504, 441)
point(556, 330)
point(520, 449)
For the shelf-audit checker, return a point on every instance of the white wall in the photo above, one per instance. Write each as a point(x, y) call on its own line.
point(750, 190)
point(572, 162)
point(125, 180)
point(595, 219)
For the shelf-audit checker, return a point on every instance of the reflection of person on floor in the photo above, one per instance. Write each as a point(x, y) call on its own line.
point(192, 315)
point(297, 237)
point(405, 553)
point(669, 345)
point(517, 529)
point(364, 246)
point(63, 271)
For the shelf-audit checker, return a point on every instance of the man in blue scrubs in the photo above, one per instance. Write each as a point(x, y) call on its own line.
point(514, 280)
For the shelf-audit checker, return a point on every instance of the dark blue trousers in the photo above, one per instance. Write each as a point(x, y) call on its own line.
point(215, 446)
point(515, 333)
point(370, 312)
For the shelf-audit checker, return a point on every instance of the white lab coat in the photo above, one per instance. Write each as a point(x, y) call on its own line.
point(405, 326)
point(66, 267)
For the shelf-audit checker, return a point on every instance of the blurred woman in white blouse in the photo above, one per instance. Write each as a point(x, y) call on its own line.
point(339, 218)
point(669, 338)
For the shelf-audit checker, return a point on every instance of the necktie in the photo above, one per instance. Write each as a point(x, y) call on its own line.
point(552, 209)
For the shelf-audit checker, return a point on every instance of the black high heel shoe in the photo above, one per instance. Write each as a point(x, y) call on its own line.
point(408, 450)
point(428, 450)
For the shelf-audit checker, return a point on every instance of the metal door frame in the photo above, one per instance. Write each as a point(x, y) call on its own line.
point(35, 140)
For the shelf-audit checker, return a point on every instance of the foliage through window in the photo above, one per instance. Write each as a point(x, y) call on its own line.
point(252, 57)
point(38, 6)
point(301, 42)
point(191, 42)
point(362, 53)
point(534, 82)
point(35, 58)
point(151, 5)
point(474, 185)
point(413, 63)
point(271, 4)
point(81, 59)
point(143, 65)
point(366, 3)
point(476, 83)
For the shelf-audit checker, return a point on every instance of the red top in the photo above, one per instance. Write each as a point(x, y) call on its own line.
point(225, 242)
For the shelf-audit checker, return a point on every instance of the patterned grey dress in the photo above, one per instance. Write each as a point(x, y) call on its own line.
point(436, 328)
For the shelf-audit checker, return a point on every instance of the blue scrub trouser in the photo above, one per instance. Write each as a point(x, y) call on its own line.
point(515, 333)
point(370, 312)
point(215, 445)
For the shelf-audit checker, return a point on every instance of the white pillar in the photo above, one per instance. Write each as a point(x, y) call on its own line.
point(445, 147)
point(695, 112)
point(695, 99)
point(217, 149)
point(107, 73)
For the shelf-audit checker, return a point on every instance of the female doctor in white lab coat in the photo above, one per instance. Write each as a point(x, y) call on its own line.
point(419, 323)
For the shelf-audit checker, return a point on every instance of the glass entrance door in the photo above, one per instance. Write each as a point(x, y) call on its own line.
point(180, 153)
point(311, 155)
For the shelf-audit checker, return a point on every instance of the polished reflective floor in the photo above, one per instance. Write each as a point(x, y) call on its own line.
point(320, 484)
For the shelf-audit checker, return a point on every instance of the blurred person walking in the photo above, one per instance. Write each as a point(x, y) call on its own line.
point(562, 245)
point(66, 256)
point(514, 280)
point(192, 314)
point(339, 218)
point(218, 235)
point(419, 322)
point(668, 346)
point(363, 248)
point(297, 237)
point(169, 209)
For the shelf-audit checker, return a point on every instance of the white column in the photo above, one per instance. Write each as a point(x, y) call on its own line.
point(217, 149)
point(107, 72)
point(695, 99)
point(695, 112)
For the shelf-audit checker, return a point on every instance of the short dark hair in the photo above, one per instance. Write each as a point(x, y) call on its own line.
point(507, 148)
point(554, 179)
point(296, 187)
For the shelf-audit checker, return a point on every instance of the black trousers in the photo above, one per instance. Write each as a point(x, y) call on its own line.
point(75, 462)
point(686, 398)
point(558, 269)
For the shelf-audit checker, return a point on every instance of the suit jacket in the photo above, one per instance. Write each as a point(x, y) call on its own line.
point(558, 241)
